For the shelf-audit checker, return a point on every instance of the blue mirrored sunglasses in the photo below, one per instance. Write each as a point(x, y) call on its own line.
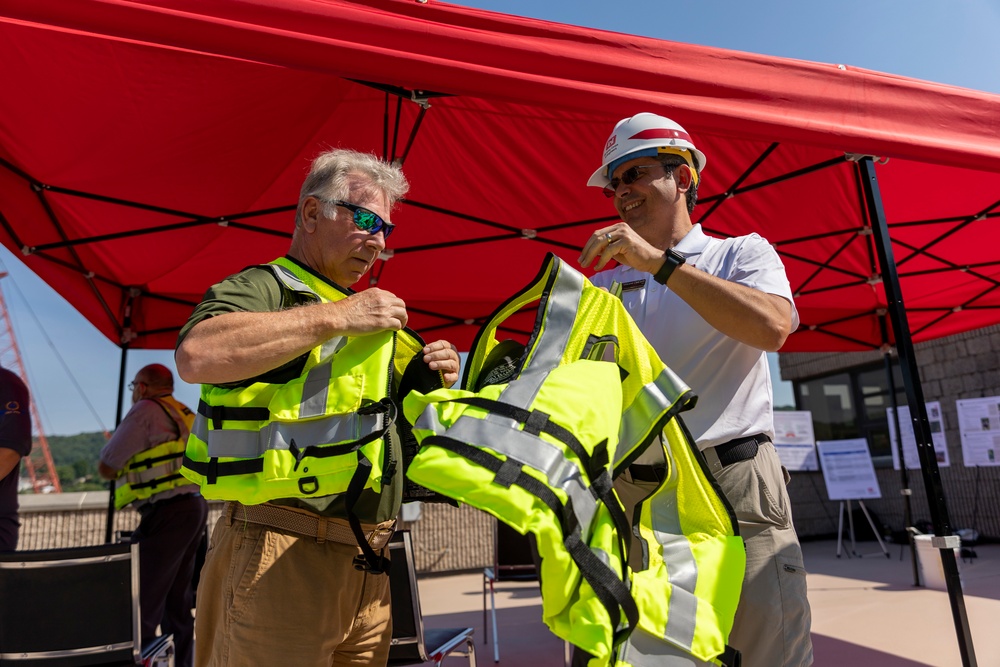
point(365, 220)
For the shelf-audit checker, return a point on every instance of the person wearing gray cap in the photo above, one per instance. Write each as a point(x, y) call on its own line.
point(711, 308)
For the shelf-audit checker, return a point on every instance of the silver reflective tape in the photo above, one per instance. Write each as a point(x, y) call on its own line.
point(561, 306)
point(249, 444)
point(315, 391)
point(533, 451)
point(652, 401)
point(645, 650)
point(682, 568)
point(148, 474)
point(428, 420)
point(290, 280)
point(682, 571)
point(330, 348)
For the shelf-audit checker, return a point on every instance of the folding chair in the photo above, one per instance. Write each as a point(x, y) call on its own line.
point(74, 607)
point(514, 559)
point(411, 643)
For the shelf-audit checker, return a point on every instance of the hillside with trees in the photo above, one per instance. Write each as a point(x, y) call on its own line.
point(75, 458)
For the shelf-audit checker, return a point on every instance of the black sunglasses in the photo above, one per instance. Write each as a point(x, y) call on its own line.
point(365, 220)
point(630, 176)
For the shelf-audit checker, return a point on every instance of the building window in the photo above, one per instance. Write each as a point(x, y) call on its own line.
point(852, 404)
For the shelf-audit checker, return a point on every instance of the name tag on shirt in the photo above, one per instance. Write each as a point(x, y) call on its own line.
point(633, 285)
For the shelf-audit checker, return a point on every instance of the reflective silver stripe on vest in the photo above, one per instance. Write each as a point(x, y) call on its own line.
point(316, 388)
point(291, 281)
point(251, 444)
point(561, 305)
point(681, 566)
point(161, 470)
point(652, 401)
point(644, 650)
point(531, 450)
point(315, 391)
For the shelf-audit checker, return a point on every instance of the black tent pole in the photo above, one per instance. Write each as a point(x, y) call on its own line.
point(944, 541)
point(906, 491)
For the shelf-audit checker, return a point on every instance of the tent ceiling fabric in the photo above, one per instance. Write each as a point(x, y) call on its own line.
point(148, 150)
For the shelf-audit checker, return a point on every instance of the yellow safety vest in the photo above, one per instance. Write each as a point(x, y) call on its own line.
point(324, 433)
point(538, 452)
point(156, 469)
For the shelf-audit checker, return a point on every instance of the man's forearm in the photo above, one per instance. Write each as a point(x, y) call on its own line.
point(750, 316)
point(237, 346)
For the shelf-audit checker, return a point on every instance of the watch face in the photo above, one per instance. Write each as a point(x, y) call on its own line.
point(671, 260)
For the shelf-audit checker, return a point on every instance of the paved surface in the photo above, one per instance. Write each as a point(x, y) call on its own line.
point(866, 612)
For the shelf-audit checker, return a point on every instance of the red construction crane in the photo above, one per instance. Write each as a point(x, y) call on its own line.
point(39, 465)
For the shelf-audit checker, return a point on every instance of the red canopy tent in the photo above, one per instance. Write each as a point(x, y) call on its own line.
point(148, 149)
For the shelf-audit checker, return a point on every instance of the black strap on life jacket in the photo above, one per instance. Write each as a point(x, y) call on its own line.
point(152, 462)
point(610, 590)
point(223, 413)
point(153, 483)
point(213, 468)
point(594, 465)
point(368, 560)
point(730, 657)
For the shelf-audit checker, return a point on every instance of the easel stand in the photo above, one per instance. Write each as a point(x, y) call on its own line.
point(850, 523)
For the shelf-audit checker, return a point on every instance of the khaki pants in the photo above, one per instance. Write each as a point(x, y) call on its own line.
point(773, 618)
point(271, 598)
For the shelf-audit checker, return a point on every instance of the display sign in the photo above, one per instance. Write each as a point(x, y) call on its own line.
point(979, 427)
point(910, 441)
point(848, 470)
point(794, 440)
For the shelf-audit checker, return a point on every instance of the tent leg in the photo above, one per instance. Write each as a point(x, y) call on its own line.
point(918, 410)
point(907, 492)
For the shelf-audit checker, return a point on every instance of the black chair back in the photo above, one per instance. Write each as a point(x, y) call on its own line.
point(70, 607)
point(407, 621)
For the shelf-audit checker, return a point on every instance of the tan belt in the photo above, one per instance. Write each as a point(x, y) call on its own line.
point(324, 529)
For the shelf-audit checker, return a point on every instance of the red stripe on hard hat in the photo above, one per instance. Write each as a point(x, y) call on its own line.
point(661, 133)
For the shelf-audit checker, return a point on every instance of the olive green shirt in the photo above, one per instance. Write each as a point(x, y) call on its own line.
point(257, 290)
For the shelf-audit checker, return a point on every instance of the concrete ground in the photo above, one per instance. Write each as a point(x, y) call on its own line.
point(866, 612)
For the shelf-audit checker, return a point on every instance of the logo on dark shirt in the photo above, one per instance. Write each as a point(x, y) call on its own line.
point(12, 408)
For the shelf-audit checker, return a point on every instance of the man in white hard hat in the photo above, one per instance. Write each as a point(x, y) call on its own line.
point(712, 308)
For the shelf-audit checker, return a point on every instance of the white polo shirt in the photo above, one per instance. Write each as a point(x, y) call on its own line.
point(731, 379)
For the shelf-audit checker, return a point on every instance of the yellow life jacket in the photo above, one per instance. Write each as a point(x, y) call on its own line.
point(156, 469)
point(538, 453)
point(324, 433)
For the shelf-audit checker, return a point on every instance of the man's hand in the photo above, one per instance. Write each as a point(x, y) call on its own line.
point(371, 311)
point(442, 356)
point(622, 244)
point(106, 471)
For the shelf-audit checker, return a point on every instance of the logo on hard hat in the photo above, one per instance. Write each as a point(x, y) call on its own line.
point(612, 140)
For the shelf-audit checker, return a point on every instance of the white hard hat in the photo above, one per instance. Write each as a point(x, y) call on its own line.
point(646, 134)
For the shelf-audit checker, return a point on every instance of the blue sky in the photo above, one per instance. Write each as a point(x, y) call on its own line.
point(949, 42)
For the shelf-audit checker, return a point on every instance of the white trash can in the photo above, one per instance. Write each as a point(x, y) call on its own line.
point(931, 570)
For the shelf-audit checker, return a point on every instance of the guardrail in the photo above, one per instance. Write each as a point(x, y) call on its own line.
point(445, 538)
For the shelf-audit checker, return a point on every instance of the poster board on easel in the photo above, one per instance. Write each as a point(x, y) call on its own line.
point(850, 475)
point(848, 469)
point(795, 440)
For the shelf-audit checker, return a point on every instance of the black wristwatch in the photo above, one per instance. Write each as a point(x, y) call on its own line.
point(671, 260)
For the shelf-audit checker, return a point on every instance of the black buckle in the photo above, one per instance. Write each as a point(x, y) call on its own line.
point(379, 566)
